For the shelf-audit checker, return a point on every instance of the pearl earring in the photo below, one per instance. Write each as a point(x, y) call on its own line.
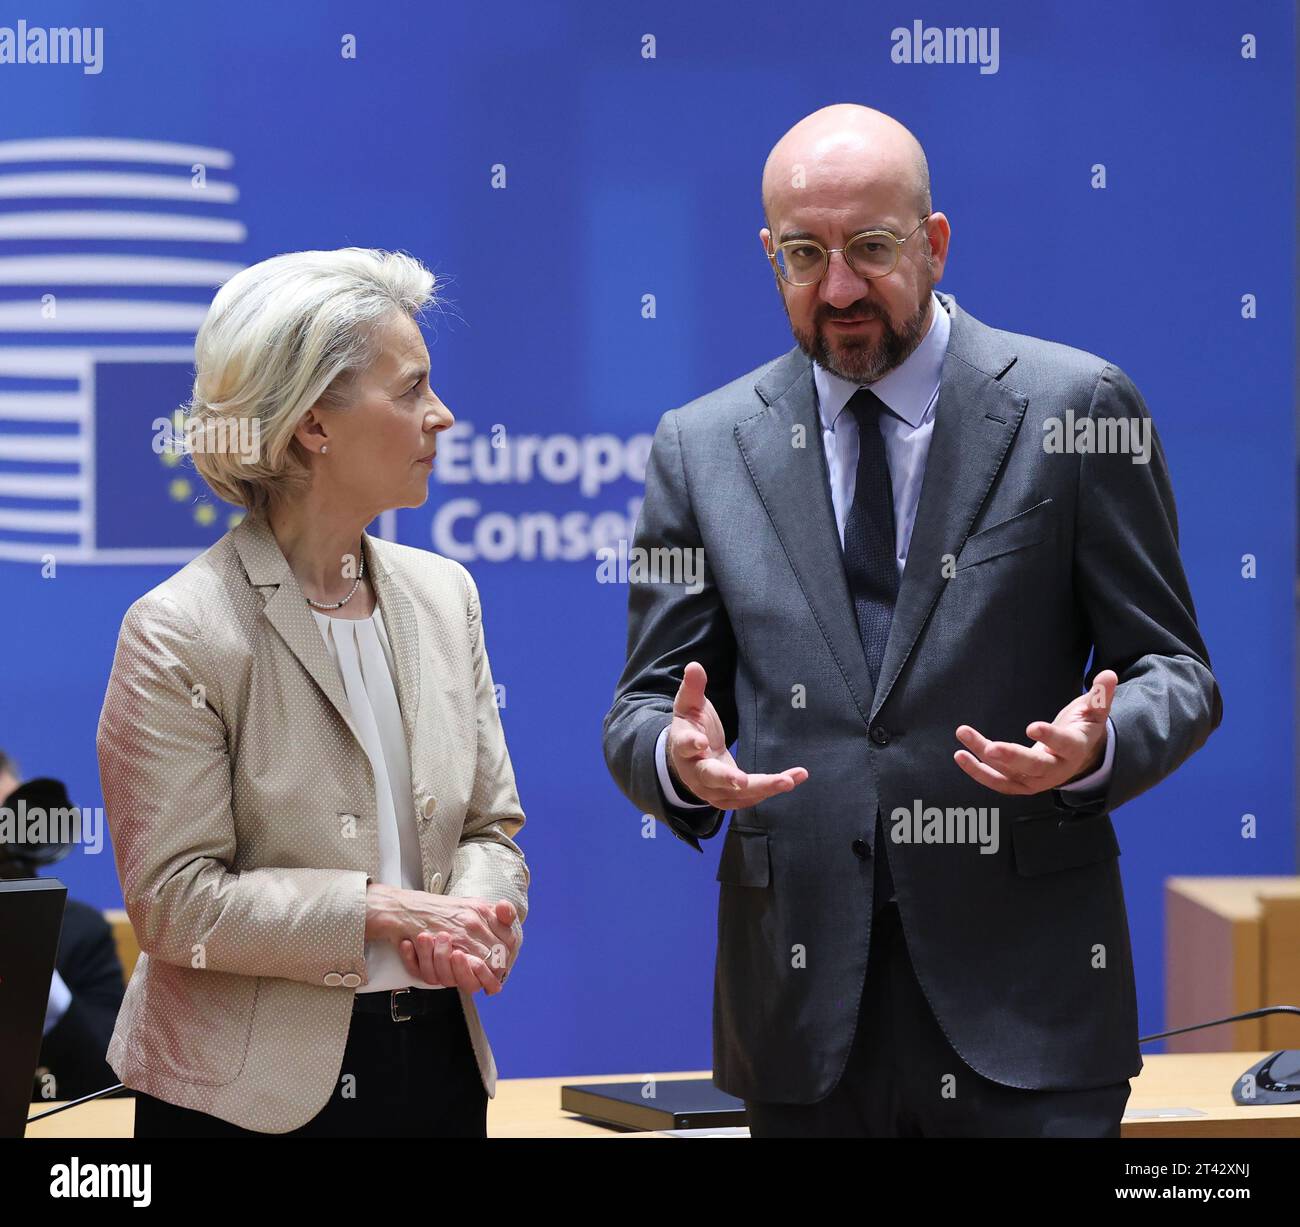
point(324, 448)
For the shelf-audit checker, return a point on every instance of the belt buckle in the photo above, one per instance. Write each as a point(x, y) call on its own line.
point(392, 1005)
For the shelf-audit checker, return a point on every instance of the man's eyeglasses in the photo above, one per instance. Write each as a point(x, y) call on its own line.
point(873, 253)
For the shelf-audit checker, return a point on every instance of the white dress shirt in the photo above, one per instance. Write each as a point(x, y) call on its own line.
point(364, 656)
point(910, 392)
point(57, 1003)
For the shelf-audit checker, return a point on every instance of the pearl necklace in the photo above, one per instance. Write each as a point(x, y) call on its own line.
point(339, 604)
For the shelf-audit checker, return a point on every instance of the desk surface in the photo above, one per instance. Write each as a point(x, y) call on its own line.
point(530, 1107)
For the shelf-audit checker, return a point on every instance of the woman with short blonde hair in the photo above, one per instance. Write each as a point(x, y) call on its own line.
point(304, 769)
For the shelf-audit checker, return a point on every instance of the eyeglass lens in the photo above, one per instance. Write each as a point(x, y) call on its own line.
point(869, 255)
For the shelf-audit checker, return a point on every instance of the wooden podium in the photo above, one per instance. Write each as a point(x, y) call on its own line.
point(1231, 944)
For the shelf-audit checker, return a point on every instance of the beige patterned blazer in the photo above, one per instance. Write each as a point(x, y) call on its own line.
point(242, 811)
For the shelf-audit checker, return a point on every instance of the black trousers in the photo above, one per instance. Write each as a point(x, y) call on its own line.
point(903, 1078)
point(416, 1078)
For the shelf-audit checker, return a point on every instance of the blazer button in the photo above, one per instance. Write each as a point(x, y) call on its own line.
point(860, 849)
point(879, 734)
point(333, 979)
point(351, 980)
point(435, 884)
point(430, 804)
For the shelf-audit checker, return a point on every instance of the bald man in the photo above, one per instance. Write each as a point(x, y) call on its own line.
point(906, 571)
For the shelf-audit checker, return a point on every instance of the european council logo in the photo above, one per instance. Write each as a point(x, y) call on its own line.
point(110, 252)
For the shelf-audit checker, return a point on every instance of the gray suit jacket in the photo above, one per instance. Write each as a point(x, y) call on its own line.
point(1022, 563)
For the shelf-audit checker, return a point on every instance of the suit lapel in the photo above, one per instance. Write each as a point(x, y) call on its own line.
point(398, 612)
point(782, 447)
point(976, 419)
point(287, 610)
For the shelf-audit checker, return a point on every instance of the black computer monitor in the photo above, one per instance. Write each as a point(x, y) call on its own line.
point(31, 917)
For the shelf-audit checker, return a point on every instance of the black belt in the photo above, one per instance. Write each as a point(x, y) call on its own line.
point(402, 1004)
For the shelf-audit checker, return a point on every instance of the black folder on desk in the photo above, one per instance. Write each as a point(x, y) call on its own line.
point(645, 1106)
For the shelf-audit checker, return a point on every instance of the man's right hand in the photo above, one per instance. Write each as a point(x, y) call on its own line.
point(698, 756)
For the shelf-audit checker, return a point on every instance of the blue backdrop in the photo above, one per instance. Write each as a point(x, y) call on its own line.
point(541, 159)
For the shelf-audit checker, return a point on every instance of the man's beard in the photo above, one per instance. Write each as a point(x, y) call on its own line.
point(860, 359)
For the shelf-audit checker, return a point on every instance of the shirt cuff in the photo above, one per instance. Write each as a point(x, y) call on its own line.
point(57, 1004)
point(1098, 779)
point(666, 780)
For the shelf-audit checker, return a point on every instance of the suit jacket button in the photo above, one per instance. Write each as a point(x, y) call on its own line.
point(333, 979)
point(435, 884)
point(351, 980)
point(430, 804)
point(879, 734)
point(860, 849)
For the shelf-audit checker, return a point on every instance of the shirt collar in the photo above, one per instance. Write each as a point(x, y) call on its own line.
point(907, 390)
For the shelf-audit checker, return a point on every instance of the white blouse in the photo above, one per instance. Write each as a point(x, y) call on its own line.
point(364, 656)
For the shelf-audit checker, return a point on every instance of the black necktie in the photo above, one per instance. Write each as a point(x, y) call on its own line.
point(872, 572)
point(869, 560)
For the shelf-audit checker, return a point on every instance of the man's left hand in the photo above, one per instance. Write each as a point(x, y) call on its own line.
point(1069, 748)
